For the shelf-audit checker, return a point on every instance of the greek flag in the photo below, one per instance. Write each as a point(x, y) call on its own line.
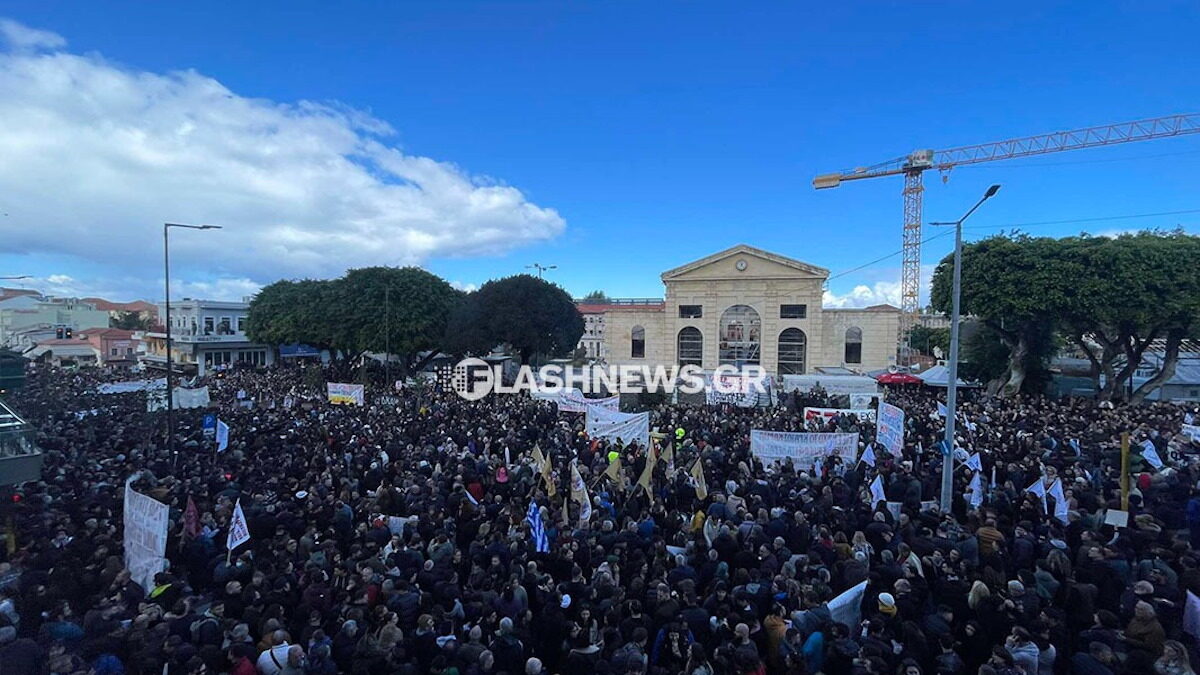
point(541, 543)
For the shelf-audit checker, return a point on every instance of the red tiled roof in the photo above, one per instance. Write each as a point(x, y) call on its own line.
point(110, 306)
point(117, 333)
point(14, 292)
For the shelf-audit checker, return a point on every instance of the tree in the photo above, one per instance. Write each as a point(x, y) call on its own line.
point(1139, 288)
point(925, 340)
point(379, 309)
point(399, 311)
point(1015, 285)
point(131, 321)
point(598, 297)
point(530, 314)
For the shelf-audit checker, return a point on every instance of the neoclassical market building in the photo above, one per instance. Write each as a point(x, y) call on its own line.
point(742, 306)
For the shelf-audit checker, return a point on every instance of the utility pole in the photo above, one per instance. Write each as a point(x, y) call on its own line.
point(952, 384)
point(541, 268)
point(167, 320)
point(387, 335)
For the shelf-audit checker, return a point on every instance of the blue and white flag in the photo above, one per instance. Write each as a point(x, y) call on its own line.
point(877, 491)
point(868, 456)
point(973, 462)
point(1150, 454)
point(942, 409)
point(975, 491)
point(541, 543)
point(1074, 443)
point(222, 436)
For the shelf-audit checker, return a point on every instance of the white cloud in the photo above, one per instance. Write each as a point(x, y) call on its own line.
point(883, 292)
point(464, 286)
point(21, 37)
point(97, 156)
point(124, 289)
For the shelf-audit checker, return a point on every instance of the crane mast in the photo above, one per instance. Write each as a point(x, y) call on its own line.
point(916, 163)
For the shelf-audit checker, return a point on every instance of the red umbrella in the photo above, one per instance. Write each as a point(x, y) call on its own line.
point(898, 378)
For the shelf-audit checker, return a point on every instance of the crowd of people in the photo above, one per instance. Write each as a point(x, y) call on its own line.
point(398, 537)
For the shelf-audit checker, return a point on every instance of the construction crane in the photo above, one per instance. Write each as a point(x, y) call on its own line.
point(918, 162)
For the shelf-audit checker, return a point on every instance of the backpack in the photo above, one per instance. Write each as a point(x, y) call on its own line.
point(628, 657)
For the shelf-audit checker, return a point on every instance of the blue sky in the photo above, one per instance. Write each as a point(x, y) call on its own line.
point(615, 140)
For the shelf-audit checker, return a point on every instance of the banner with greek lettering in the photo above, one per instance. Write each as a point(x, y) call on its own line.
point(572, 400)
point(731, 388)
point(889, 430)
point(184, 398)
point(776, 446)
point(625, 427)
point(861, 401)
point(146, 523)
point(826, 414)
point(131, 386)
point(341, 393)
point(1192, 432)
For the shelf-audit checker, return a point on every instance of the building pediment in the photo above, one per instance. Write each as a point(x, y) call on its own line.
point(744, 262)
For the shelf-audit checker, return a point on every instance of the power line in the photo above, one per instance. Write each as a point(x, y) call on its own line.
point(1014, 225)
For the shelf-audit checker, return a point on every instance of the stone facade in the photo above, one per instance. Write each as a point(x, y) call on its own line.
point(746, 305)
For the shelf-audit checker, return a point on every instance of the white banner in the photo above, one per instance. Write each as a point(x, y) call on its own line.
point(1192, 432)
point(222, 436)
point(732, 389)
point(826, 414)
point(343, 393)
point(146, 522)
point(239, 530)
point(572, 400)
point(626, 427)
point(184, 398)
point(775, 446)
point(847, 607)
point(860, 401)
point(131, 386)
point(890, 429)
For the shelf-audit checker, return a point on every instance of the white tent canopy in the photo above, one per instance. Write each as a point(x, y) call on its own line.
point(833, 384)
point(939, 376)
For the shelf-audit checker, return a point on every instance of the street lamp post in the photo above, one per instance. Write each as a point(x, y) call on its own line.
point(952, 385)
point(167, 320)
point(541, 268)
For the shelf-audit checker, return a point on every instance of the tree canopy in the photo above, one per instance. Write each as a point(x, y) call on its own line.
point(1109, 297)
point(531, 315)
point(400, 310)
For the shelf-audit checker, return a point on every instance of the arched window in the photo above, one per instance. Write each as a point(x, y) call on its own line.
point(792, 345)
point(740, 336)
point(853, 345)
point(637, 343)
point(690, 344)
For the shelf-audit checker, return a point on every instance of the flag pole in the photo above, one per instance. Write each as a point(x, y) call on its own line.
point(1125, 471)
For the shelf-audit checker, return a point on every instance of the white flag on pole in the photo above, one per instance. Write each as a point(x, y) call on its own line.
point(868, 456)
point(975, 491)
point(942, 409)
point(239, 531)
point(1039, 488)
point(1150, 454)
point(877, 491)
point(1060, 500)
point(973, 462)
point(222, 436)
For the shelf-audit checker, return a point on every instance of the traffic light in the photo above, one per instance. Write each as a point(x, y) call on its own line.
point(59, 332)
point(68, 332)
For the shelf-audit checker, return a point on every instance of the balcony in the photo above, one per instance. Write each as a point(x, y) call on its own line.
point(20, 458)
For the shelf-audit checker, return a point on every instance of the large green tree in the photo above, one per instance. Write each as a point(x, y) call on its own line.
point(1016, 286)
point(1111, 297)
point(401, 311)
point(531, 315)
point(925, 340)
point(1137, 289)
